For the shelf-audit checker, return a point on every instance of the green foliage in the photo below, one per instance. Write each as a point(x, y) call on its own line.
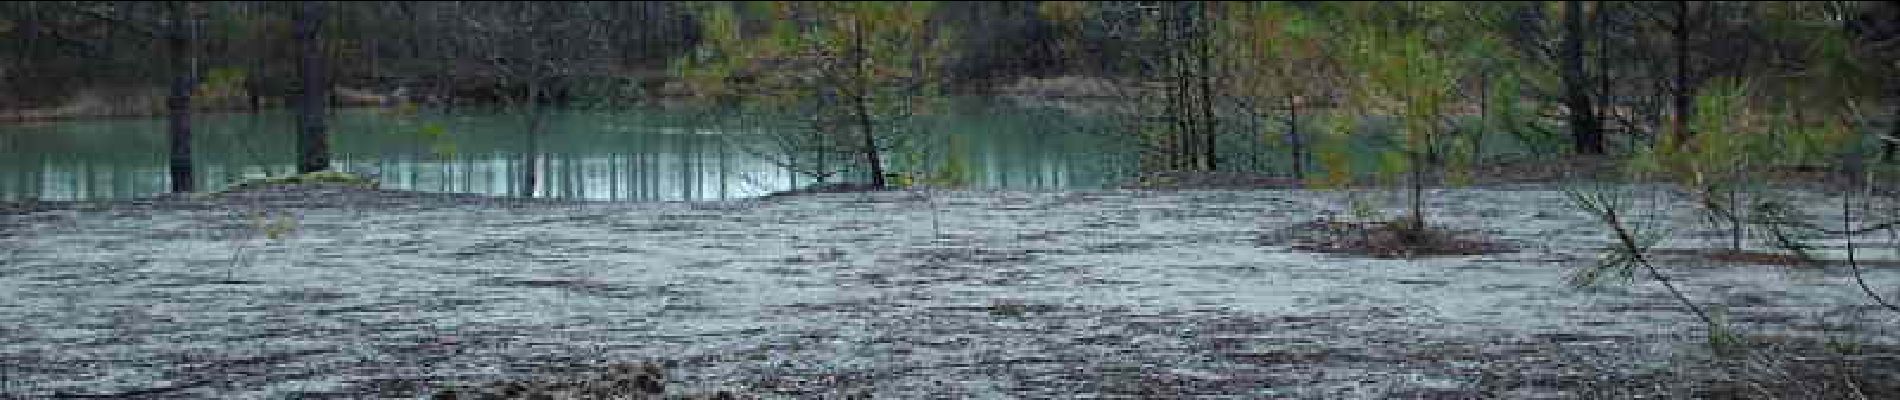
point(1363, 211)
point(1814, 144)
point(437, 137)
point(221, 85)
point(1062, 12)
point(1718, 149)
point(319, 177)
point(1410, 62)
point(1723, 340)
point(814, 47)
point(1508, 112)
point(1274, 50)
point(1733, 147)
point(1714, 154)
point(1631, 252)
point(274, 228)
point(1333, 151)
point(857, 71)
point(1620, 262)
point(946, 168)
point(1839, 345)
point(1393, 164)
point(1787, 227)
point(1459, 156)
point(434, 136)
point(955, 170)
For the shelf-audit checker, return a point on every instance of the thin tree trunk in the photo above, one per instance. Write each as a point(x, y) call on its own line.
point(1888, 148)
point(254, 85)
point(1735, 224)
point(313, 142)
point(1605, 102)
point(330, 85)
point(1636, 252)
point(531, 164)
point(871, 156)
point(1293, 137)
point(1681, 92)
point(29, 28)
point(1417, 221)
point(1484, 118)
point(1208, 124)
point(1585, 129)
point(184, 78)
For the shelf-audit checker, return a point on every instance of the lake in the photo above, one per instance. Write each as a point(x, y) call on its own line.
point(633, 154)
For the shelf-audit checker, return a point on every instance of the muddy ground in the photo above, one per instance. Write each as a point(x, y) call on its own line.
point(343, 293)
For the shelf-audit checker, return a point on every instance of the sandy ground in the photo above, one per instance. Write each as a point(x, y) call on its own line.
point(1011, 294)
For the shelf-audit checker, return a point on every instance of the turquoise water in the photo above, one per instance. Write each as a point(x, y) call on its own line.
point(646, 154)
point(642, 154)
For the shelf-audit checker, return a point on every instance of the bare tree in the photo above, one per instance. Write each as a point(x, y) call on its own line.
point(1585, 127)
point(532, 50)
point(181, 39)
point(313, 144)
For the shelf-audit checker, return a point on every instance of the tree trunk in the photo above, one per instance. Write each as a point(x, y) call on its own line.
point(1737, 228)
point(870, 151)
point(29, 28)
point(254, 85)
point(1605, 102)
point(1208, 124)
point(1887, 146)
point(1297, 144)
point(871, 156)
point(184, 77)
point(1417, 219)
point(531, 160)
point(445, 85)
point(1681, 93)
point(1585, 128)
point(1484, 119)
point(1180, 99)
point(313, 142)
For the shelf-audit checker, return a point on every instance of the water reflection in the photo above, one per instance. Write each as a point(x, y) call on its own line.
point(630, 176)
point(622, 155)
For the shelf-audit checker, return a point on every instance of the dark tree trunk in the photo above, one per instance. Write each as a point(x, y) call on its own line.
point(871, 156)
point(1681, 93)
point(30, 29)
point(1416, 224)
point(1181, 100)
point(870, 151)
point(313, 144)
point(254, 83)
point(1208, 124)
point(1606, 103)
point(1294, 141)
point(255, 101)
point(1484, 119)
point(1887, 146)
point(184, 78)
point(1585, 128)
point(445, 85)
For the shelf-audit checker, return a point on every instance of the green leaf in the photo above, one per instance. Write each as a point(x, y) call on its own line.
point(432, 130)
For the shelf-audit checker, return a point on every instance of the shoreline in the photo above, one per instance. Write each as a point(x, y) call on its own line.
point(12, 118)
point(91, 105)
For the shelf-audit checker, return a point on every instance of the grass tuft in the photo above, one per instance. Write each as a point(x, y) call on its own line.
point(313, 178)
